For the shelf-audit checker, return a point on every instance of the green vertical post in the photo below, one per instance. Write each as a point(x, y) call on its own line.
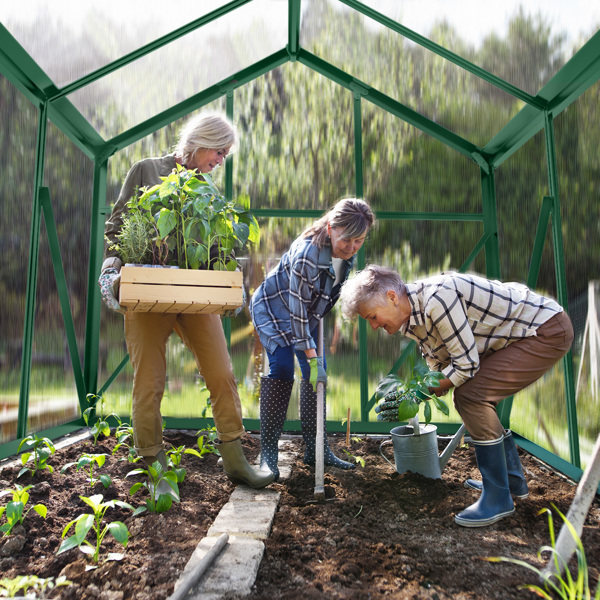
point(32, 271)
point(561, 284)
point(94, 303)
point(363, 360)
point(293, 28)
point(229, 195)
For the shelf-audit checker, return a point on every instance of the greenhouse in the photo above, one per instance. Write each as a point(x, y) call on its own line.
point(475, 152)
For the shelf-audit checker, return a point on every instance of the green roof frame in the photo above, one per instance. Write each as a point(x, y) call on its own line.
point(52, 102)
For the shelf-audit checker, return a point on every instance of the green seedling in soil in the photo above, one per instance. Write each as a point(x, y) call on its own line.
point(87, 522)
point(357, 459)
point(15, 512)
point(124, 434)
point(158, 502)
point(206, 441)
point(174, 455)
point(87, 461)
point(20, 585)
point(101, 426)
point(40, 450)
point(556, 585)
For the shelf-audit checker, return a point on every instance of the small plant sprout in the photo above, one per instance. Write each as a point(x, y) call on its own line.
point(401, 399)
point(357, 459)
point(101, 426)
point(161, 485)
point(14, 511)
point(124, 434)
point(40, 450)
point(206, 441)
point(87, 461)
point(18, 586)
point(87, 522)
point(174, 456)
point(558, 586)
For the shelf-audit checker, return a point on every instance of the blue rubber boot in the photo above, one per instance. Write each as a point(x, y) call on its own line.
point(308, 420)
point(495, 502)
point(274, 399)
point(516, 479)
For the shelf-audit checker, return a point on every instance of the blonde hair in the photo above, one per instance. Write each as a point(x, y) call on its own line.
point(206, 130)
point(354, 216)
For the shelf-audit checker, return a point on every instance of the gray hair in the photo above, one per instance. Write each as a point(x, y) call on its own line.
point(369, 287)
point(354, 216)
point(205, 130)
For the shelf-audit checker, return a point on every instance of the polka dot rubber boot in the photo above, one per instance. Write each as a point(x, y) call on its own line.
point(274, 399)
point(308, 420)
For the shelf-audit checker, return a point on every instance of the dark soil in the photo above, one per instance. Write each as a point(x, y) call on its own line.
point(379, 534)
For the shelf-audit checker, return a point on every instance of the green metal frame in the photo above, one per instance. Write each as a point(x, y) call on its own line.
point(53, 104)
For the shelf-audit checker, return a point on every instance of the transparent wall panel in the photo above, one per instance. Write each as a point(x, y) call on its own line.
point(181, 69)
point(18, 135)
point(70, 39)
point(296, 140)
point(425, 82)
point(577, 133)
point(406, 170)
point(497, 36)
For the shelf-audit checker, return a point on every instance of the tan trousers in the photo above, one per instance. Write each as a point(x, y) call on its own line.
point(146, 335)
point(507, 372)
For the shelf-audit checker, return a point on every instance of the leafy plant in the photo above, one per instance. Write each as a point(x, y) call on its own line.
point(10, 588)
point(357, 459)
point(101, 426)
point(159, 501)
point(86, 522)
point(88, 461)
point(556, 585)
point(401, 399)
point(185, 216)
point(175, 455)
point(15, 512)
point(124, 434)
point(206, 441)
point(42, 449)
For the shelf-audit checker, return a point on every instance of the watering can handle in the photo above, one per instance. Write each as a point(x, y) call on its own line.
point(382, 454)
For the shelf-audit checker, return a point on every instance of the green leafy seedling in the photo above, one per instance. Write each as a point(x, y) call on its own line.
point(87, 522)
point(20, 585)
point(15, 512)
point(157, 476)
point(175, 455)
point(206, 441)
point(124, 435)
point(357, 459)
point(40, 450)
point(101, 425)
point(87, 462)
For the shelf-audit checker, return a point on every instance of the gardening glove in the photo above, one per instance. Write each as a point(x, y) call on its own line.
point(317, 371)
point(236, 311)
point(109, 285)
point(388, 409)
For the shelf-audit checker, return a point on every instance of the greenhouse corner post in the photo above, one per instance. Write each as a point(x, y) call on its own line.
point(92, 325)
point(363, 360)
point(561, 284)
point(32, 270)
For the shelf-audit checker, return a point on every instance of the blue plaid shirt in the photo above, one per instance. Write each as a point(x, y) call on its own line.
point(300, 290)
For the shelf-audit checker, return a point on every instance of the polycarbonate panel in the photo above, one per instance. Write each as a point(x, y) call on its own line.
point(296, 140)
point(419, 79)
point(185, 67)
point(523, 43)
point(18, 148)
point(70, 38)
point(408, 171)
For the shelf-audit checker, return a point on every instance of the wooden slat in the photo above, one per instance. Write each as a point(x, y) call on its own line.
point(166, 276)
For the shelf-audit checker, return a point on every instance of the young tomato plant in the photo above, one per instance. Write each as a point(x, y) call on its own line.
point(161, 485)
point(124, 434)
point(87, 461)
point(86, 522)
point(41, 449)
point(14, 511)
point(101, 426)
point(174, 456)
point(401, 399)
point(206, 441)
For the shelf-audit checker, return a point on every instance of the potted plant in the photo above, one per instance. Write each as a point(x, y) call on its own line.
point(186, 224)
point(415, 445)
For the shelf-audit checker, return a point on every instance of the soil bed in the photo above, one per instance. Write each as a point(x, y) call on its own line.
point(381, 534)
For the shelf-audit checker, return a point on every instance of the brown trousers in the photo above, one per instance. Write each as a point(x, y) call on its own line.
point(507, 372)
point(146, 335)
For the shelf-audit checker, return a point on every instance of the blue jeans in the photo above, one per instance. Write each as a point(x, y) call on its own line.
point(281, 362)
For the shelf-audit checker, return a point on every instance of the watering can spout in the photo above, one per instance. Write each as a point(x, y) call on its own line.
point(449, 449)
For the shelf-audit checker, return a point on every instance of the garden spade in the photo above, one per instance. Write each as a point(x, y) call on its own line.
point(320, 441)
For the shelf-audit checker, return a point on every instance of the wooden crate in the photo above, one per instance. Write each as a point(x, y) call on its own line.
point(190, 291)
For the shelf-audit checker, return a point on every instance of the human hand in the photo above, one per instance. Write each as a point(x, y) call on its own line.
point(109, 281)
point(234, 312)
point(317, 371)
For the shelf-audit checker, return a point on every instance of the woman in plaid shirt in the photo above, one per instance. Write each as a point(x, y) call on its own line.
point(489, 339)
point(286, 310)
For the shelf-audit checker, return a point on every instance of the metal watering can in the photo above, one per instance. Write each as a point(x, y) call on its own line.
point(419, 453)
